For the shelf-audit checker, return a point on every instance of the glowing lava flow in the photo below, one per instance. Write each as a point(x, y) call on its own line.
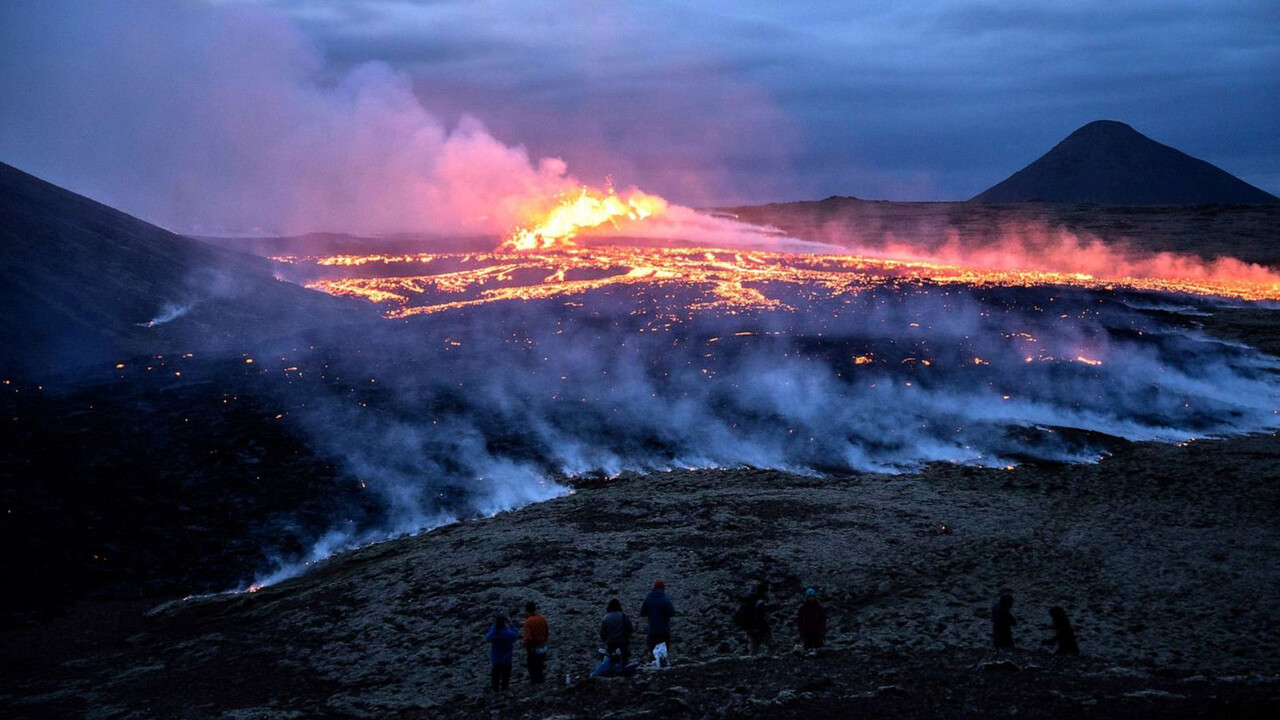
point(696, 278)
point(543, 261)
point(586, 210)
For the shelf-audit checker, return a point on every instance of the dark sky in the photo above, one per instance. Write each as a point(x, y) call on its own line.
point(703, 102)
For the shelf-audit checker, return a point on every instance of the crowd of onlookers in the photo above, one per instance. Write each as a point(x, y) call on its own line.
point(753, 615)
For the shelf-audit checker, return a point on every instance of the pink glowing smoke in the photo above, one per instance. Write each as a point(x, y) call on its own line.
point(1032, 247)
point(224, 118)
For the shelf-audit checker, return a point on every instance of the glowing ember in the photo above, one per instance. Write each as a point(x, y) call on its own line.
point(564, 221)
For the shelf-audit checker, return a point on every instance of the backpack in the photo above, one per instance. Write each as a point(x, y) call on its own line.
point(745, 616)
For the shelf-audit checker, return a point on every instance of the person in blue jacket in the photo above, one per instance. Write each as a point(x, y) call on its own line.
point(501, 639)
point(658, 608)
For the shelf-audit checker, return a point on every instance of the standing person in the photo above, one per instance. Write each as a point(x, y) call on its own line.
point(1002, 620)
point(659, 609)
point(1063, 636)
point(811, 621)
point(615, 632)
point(753, 616)
point(501, 639)
point(535, 633)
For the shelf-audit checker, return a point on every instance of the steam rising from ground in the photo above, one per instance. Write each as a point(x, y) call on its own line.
point(475, 412)
point(168, 313)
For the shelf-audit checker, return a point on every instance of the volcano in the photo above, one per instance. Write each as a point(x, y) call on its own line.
point(1110, 163)
point(83, 283)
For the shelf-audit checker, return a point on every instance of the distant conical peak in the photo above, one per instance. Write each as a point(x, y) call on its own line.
point(1106, 131)
point(1109, 162)
point(1099, 126)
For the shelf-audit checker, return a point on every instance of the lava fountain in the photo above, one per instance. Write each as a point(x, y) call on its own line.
point(588, 209)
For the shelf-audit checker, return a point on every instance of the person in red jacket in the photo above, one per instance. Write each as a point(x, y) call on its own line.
point(811, 621)
point(535, 633)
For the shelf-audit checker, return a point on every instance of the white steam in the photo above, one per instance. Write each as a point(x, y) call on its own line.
point(168, 313)
point(464, 414)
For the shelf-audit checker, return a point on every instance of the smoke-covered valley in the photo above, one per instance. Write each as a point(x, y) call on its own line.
point(476, 411)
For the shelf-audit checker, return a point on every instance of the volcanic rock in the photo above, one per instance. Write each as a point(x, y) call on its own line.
point(393, 629)
point(83, 283)
point(1110, 163)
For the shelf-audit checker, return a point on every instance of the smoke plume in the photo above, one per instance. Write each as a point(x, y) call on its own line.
point(223, 119)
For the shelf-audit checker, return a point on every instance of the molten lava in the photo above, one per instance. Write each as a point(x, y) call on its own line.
point(698, 279)
point(560, 225)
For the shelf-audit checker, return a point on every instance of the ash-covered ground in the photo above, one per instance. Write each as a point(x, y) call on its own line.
point(1162, 555)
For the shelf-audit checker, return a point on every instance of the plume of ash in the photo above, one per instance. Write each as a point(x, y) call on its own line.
point(471, 413)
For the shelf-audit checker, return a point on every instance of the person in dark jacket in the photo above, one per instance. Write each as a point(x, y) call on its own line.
point(535, 634)
point(1063, 636)
point(811, 621)
point(615, 632)
point(1002, 620)
point(759, 630)
point(501, 639)
point(659, 609)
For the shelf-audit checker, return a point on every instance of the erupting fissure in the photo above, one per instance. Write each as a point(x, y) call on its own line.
point(543, 260)
point(562, 223)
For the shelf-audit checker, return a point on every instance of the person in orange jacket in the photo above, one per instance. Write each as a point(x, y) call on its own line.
point(535, 633)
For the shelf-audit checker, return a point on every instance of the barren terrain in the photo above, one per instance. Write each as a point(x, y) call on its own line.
point(1163, 556)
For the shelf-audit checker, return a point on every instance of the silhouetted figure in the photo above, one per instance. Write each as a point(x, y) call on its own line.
point(1063, 636)
point(501, 639)
point(659, 609)
point(811, 621)
point(615, 632)
point(535, 633)
point(1002, 620)
point(753, 616)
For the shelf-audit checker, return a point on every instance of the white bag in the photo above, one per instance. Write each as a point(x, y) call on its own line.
point(660, 656)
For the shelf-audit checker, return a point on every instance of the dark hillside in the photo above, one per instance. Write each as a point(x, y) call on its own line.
point(1109, 162)
point(81, 282)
